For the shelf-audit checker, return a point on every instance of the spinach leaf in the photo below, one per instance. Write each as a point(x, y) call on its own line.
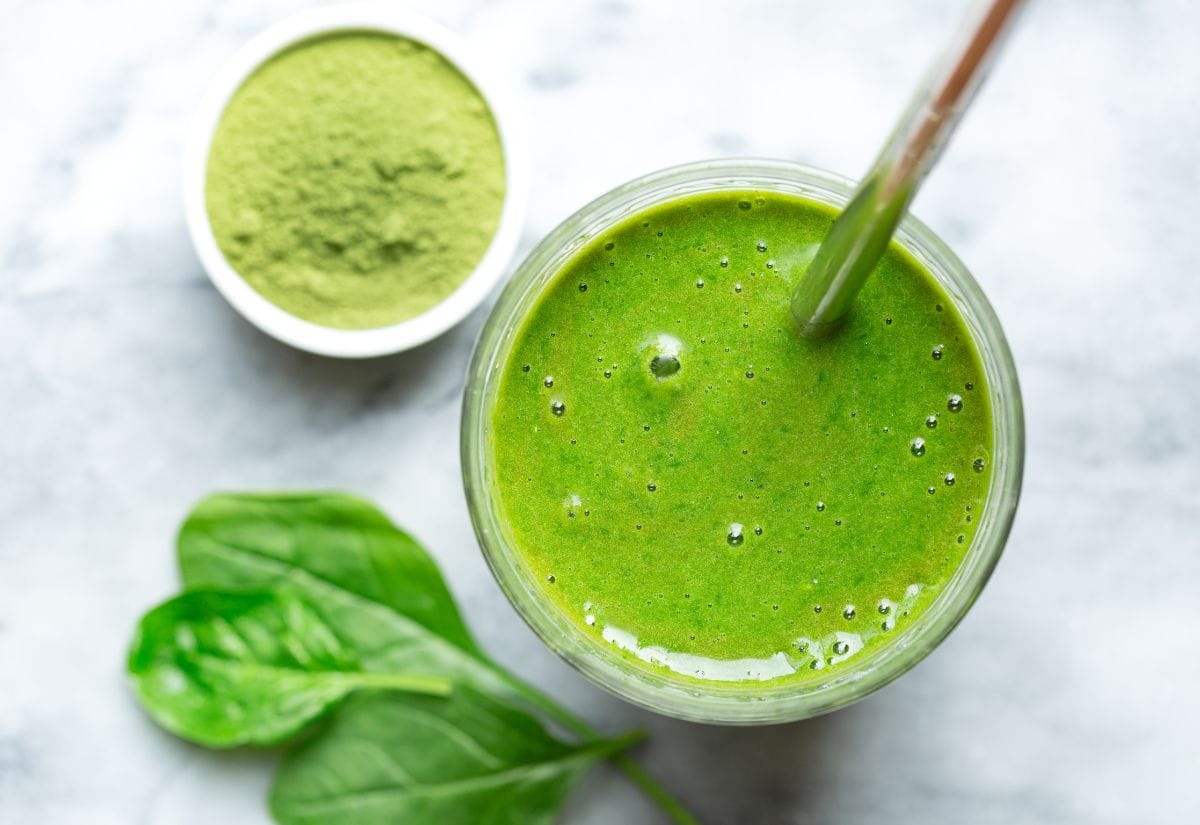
point(464, 760)
point(338, 539)
point(378, 589)
point(382, 595)
point(226, 669)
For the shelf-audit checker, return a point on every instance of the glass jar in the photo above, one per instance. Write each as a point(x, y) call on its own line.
point(659, 689)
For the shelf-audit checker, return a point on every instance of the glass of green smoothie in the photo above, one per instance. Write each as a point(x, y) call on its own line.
point(705, 512)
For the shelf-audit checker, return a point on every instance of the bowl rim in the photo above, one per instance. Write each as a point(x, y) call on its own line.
point(740, 705)
point(277, 322)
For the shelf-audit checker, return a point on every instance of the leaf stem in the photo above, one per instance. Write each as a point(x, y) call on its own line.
point(410, 683)
point(671, 806)
point(618, 744)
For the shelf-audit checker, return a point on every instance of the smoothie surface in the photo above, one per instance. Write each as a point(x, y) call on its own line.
point(688, 479)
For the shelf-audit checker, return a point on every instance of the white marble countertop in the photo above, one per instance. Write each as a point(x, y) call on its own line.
point(128, 389)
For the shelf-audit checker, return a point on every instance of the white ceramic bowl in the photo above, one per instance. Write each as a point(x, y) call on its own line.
point(305, 335)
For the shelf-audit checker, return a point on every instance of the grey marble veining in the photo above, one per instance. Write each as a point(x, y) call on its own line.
point(128, 389)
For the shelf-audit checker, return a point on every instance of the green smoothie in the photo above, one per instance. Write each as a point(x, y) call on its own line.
point(690, 480)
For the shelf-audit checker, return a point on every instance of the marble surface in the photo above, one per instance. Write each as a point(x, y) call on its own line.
point(128, 389)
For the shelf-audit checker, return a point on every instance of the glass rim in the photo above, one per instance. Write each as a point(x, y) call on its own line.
point(742, 702)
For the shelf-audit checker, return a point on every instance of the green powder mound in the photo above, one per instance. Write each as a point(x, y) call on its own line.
point(355, 180)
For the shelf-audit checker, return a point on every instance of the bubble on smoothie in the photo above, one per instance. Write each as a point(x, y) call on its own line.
point(548, 381)
point(761, 246)
point(845, 646)
point(949, 479)
point(551, 578)
point(848, 612)
point(954, 403)
point(932, 490)
point(664, 366)
point(820, 506)
point(699, 283)
point(743, 205)
point(724, 261)
point(735, 537)
point(737, 287)
point(652, 486)
point(758, 531)
point(663, 355)
point(558, 408)
point(917, 447)
point(978, 464)
point(885, 607)
point(749, 373)
point(583, 287)
point(770, 263)
point(931, 422)
point(888, 624)
point(938, 352)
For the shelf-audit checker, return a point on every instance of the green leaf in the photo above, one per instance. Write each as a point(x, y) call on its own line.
point(379, 592)
point(378, 589)
point(465, 760)
point(337, 538)
point(226, 669)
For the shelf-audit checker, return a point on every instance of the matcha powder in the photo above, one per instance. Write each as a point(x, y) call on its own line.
point(355, 180)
